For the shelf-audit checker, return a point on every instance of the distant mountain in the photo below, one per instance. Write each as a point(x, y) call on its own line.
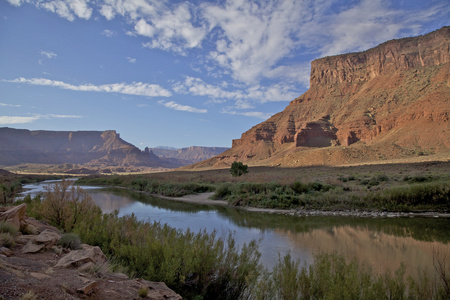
point(94, 149)
point(389, 102)
point(187, 156)
point(165, 147)
point(91, 151)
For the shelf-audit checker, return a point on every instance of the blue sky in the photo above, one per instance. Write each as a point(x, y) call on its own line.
point(180, 73)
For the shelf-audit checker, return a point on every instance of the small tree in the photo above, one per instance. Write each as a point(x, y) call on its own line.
point(65, 205)
point(238, 169)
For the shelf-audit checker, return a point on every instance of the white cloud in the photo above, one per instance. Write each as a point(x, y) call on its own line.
point(10, 105)
point(49, 55)
point(68, 9)
point(176, 106)
point(275, 92)
point(253, 114)
point(63, 116)
point(131, 60)
point(362, 25)
point(255, 36)
point(196, 86)
point(8, 120)
point(170, 27)
point(135, 88)
point(108, 33)
point(5, 120)
point(253, 40)
point(15, 2)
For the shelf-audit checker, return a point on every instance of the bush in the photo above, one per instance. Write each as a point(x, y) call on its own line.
point(70, 241)
point(6, 227)
point(65, 205)
point(190, 263)
point(143, 292)
point(238, 169)
point(7, 240)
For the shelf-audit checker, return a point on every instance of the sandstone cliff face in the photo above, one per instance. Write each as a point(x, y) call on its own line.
point(387, 102)
point(93, 148)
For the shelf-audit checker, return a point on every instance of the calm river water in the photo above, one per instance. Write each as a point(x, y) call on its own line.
point(382, 243)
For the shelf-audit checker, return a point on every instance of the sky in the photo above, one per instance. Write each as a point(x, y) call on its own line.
point(180, 73)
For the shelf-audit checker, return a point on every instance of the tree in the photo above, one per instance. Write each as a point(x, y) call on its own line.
point(238, 169)
point(65, 205)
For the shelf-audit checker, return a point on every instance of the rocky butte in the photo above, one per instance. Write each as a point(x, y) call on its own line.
point(88, 148)
point(389, 102)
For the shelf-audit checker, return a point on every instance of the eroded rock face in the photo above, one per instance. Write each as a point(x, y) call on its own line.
point(15, 215)
point(394, 97)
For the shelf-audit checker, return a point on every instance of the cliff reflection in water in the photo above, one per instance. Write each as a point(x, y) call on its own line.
point(376, 249)
point(383, 244)
point(108, 202)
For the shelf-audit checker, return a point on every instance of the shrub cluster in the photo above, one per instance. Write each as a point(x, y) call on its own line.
point(7, 234)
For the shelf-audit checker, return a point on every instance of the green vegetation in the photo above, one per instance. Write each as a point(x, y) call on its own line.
point(190, 263)
point(238, 169)
point(11, 185)
point(204, 266)
point(143, 292)
point(64, 206)
point(149, 185)
point(70, 240)
point(415, 187)
point(7, 234)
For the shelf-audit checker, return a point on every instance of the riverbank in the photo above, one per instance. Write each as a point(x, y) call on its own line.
point(204, 198)
point(376, 190)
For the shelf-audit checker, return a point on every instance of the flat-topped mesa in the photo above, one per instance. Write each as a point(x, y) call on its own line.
point(389, 100)
point(94, 148)
point(402, 54)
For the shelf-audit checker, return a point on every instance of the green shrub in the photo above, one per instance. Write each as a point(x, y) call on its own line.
point(6, 227)
point(70, 241)
point(190, 263)
point(7, 240)
point(222, 191)
point(143, 292)
point(238, 168)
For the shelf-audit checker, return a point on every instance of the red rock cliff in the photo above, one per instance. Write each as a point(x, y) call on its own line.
point(387, 102)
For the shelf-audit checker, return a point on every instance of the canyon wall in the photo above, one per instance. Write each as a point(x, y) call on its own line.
point(92, 148)
point(388, 102)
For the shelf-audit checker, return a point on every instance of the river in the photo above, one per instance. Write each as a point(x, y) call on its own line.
point(381, 243)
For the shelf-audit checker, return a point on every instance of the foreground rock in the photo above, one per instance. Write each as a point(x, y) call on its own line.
point(37, 267)
point(15, 215)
